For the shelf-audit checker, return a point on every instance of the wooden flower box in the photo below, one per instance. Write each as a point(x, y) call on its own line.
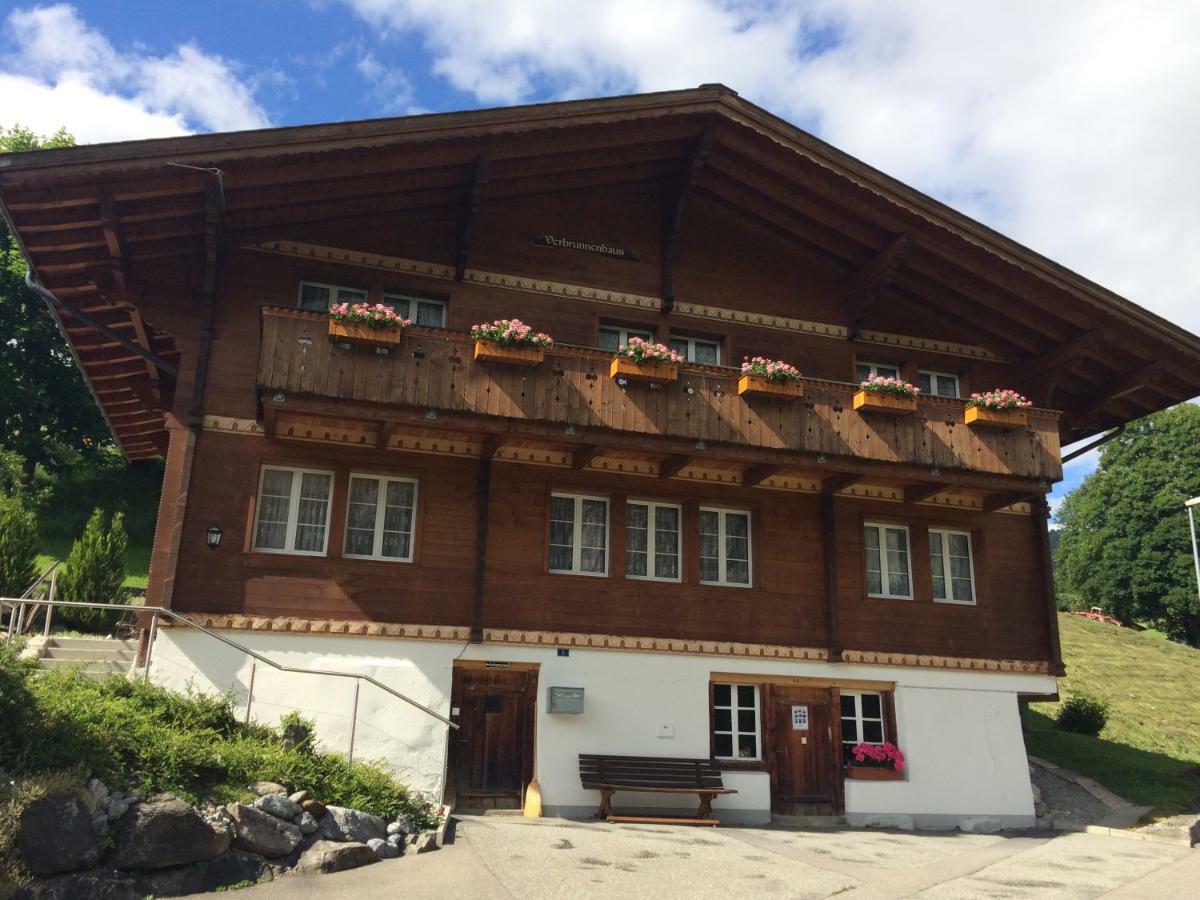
point(873, 773)
point(982, 417)
point(364, 335)
point(624, 367)
point(758, 386)
point(891, 404)
point(507, 354)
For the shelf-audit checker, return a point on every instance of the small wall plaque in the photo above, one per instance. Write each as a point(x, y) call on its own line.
point(564, 700)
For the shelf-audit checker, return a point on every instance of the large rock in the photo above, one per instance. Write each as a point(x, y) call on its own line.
point(260, 832)
point(314, 807)
point(164, 831)
point(278, 805)
point(341, 824)
point(95, 885)
point(334, 856)
point(262, 788)
point(234, 867)
point(426, 842)
point(305, 822)
point(55, 835)
point(382, 849)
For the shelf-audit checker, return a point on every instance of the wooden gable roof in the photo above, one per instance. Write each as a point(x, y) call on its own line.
point(101, 225)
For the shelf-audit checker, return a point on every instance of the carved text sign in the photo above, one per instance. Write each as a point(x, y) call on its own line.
point(552, 240)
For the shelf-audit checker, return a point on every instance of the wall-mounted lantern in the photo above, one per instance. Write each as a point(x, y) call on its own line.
point(213, 536)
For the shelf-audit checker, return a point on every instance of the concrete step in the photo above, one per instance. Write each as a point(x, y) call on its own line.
point(95, 643)
point(80, 653)
point(92, 667)
point(809, 821)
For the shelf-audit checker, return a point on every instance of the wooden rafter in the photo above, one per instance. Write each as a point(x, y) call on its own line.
point(1083, 408)
point(1063, 356)
point(582, 456)
point(915, 493)
point(466, 224)
point(993, 502)
point(831, 484)
point(756, 475)
point(112, 240)
point(673, 465)
point(674, 214)
point(862, 288)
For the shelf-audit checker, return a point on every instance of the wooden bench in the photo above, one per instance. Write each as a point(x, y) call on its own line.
point(652, 774)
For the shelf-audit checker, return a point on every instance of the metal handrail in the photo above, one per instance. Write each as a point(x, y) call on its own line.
point(157, 611)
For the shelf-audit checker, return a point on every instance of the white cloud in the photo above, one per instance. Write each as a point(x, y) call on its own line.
point(57, 71)
point(391, 91)
point(1069, 126)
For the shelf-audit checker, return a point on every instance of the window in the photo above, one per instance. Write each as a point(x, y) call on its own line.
point(862, 720)
point(652, 536)
point(888, 571)
point(379, 518)
point(938, 384)
point(697, 350)
point(724, 547)
point(613, 336)
point(319, 297)
point(578, 534)
point(864, 370)
point(419, 310)
point(735, 721)
point(950, 560)
point(293, 511)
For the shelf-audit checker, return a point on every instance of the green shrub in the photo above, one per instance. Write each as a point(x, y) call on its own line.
point(16, 705)
point(95, 571)
point(1083, 715)
point(18, 548)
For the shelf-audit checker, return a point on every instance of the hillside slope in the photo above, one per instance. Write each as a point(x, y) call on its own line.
point(1148, 752)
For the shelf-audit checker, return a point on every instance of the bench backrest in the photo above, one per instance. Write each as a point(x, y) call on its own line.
point(658, 772)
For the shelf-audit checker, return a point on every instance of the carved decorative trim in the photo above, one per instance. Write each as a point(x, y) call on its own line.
point(231, 425)
point(615, 298)
point(520, 637)
point(356, 258)
point(561, 289)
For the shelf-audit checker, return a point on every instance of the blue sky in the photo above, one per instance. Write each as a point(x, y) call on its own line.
point(1062, 124)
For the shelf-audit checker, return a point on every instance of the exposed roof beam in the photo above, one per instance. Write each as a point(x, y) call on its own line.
point(862, 288)
point(1060, 357)
point(756, 475)
point(466, 225)
point(915, 493)
point(1089, 404)
point(582, 456)
point(674, 213)
point(831, 484)
point(993, 502)
point(673, 465)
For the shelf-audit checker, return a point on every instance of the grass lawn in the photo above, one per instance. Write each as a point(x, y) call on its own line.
point(1149, 751)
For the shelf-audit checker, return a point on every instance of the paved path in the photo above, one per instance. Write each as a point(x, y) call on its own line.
point(532, 859)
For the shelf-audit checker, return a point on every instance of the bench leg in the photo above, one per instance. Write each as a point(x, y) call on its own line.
point(606, 809)
point(705, 811)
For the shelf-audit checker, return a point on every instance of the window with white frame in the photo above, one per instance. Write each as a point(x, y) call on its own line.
point(725, 547)
point(611, 336)
point(864, 370)
point(862, 719)
point(578, 534)
point(736, 722)
point(697, 350)
point(888, 571)
point(293, 511)
point(319, 297)
point(950, 562)
point(652, 540)
point(938, 384)
point(379, 518)
point(418, 310)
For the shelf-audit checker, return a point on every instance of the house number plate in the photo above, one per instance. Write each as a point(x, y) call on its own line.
point(799, 718)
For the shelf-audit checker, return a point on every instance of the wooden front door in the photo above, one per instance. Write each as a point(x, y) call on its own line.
point(803, 752)
point(491, 758)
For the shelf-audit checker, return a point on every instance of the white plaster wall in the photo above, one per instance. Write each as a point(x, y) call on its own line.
point(960, 730)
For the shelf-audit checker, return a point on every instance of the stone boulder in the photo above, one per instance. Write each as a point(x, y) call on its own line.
point(164, 831)
point(324, 857)
point(262, 788)
point(305, 822)
point(95, 885)
point(315, 808)
point(278, 805)
point(258, 832)
point(298, 797)
point(383, 849)
point(55, 835)
point(341, 824)
point(426, 842)
point(226, 870)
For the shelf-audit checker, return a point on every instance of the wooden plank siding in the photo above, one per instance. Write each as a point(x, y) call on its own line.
point(433, 369)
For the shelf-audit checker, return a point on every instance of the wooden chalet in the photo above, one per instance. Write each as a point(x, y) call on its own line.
point(756, 580)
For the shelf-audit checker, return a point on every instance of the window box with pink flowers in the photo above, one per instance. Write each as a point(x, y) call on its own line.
point(1001, 408)
point(876, 762)
point(366, 324)
point(510, 342)
point(640, 360)
point(885, 394)
point(762, 377)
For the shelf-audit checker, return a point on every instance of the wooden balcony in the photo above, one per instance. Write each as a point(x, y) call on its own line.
point(433, 372)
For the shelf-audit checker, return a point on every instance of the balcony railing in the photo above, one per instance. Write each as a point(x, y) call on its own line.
point(434, 369)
